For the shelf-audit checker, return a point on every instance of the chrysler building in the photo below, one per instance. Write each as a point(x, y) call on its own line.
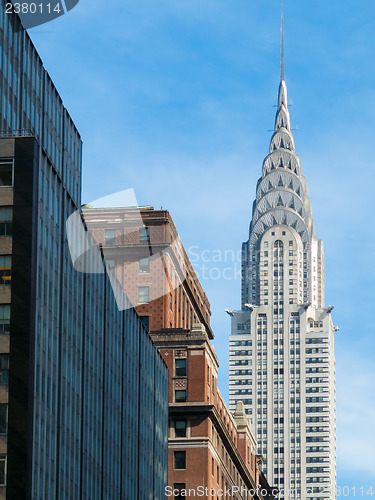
point(282, 341)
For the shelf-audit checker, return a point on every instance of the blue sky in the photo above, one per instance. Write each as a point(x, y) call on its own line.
point(175, 99)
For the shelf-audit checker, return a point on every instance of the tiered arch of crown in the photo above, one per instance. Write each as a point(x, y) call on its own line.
point(281, 197)
point(281, 200)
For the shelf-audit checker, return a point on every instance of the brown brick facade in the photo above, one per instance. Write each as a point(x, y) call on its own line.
point(176, 298)
point(214, 449)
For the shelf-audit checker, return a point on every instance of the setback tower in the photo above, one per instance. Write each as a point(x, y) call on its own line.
point(282, 341)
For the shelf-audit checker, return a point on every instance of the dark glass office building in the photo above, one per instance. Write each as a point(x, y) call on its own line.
point(83, 390)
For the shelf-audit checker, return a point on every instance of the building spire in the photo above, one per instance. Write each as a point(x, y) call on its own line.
point(282, 60)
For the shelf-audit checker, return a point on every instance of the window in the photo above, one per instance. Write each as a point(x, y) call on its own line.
point(3, 419)
point(4, 369)
point(181, 367)
point(109, 236)
point(180, 396)
point(6, 217)
point(5, 269)
point(6, 173)
point(180, 428)
point(145, 321)
point(143, 295)
point(3, 461)
point(4, 319)
point(144, 235)
point(179, 491)
point(144, 265)
point(180, 459)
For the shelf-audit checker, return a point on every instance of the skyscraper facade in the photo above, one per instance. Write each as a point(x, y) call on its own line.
point(282, 341)
point(83, 390)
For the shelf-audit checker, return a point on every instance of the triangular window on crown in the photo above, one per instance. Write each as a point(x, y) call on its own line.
point(281, 165)
point(294, 225)
point(270, 185)
point(290, 165)
point(268, 206)
point(290, 184)
point(284, 221)
point(291, 205)
point(298, 192)
point(282, 143)
point(280, 184)
point(280, 202)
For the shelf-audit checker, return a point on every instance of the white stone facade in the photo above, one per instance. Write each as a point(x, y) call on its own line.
point(282, 341)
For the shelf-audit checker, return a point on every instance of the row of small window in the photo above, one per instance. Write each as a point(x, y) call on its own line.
point(243, 372)
point(245, 392)
point(316, 460)
point(317, 369)
point(314, 420)
point(243, 343)
point(243, 326)
point(316, 324)
point(316, 439)
point(278, 243)
point(277, 263)
point(311, 470)
point(110, 236)
point(241, 353)
point(316, 341)
point(316, 380)
point(316, 409)
point(316, 389)
point(315, 360)
point(243, 381)
point(316, 350)
point(278, 252)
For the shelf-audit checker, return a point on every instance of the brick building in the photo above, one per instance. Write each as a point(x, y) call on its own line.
point(210, 451)
point(152, 264)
